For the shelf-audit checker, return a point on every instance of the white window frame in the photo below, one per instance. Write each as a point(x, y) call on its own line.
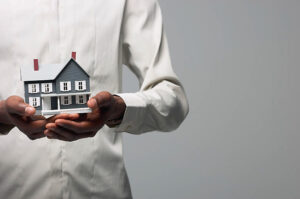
point(82, 84)
point(44, 87)
point(65, 86)
point(84, 99)
point(34, 101)
point(66, 100)
point(33, 88)
point(80, 87)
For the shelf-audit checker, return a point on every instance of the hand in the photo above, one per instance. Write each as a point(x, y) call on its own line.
point(21, 115)
point(106, 109)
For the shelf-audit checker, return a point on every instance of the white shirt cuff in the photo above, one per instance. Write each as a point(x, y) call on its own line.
point(134, 113)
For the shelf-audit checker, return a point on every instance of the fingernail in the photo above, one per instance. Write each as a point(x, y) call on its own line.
point(92, 103)
point(50, 125)
point(58, 122)
point(29, 110)
point(74, 116)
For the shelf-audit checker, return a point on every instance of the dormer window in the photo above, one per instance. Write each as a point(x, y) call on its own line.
point(65, 86)
point(33, 88)
point(80, 85)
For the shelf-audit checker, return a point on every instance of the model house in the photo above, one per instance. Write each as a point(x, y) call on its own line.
point(56, 88)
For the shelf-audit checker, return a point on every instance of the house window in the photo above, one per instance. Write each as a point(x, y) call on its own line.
point(80, 99)
point(33, 88)
point(65, 86)
point(66, 100)
point(80, 85)
point(34, 101)
point(47, 87)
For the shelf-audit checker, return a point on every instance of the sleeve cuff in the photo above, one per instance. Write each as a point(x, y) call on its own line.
point(134, 113)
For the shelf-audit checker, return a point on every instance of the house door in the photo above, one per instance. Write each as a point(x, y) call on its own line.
point(53, 103)
point(46, 103)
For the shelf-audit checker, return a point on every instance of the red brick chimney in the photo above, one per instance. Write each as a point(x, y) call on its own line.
point(36, 64)
point(74, 55)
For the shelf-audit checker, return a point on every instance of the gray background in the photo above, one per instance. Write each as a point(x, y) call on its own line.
point(239, 63)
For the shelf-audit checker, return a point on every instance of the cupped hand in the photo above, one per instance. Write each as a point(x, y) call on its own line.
point(106, 109)
point(21, 115)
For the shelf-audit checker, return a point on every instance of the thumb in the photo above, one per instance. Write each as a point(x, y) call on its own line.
point(102, 99)
point(16, 105)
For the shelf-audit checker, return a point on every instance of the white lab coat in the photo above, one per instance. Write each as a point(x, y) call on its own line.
point(105, 34)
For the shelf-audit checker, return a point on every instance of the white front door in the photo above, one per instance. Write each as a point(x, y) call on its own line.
point(46, 103)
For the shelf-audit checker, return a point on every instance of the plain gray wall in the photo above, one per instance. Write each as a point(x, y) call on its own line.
point(239, 63)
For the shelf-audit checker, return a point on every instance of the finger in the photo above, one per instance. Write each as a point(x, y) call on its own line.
point(78, 136)
point(78, 127)
point(51, 125)
point(37, 117)
point(73, 116)
point(89, 134)
point(92, 103)
point(112, 123)
point(36, 136)
point(63, 135)
point(102, 99)
point(36, 124)
point(63, 132)
point(53, 135)
point(48, 133)
point(85, 135)
point(82, 116)
point(16, 105)
point(31, 127)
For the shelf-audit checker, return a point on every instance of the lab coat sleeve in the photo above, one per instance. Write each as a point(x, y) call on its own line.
point(161, 102)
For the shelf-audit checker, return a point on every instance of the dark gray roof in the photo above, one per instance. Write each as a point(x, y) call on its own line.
point(45, 72)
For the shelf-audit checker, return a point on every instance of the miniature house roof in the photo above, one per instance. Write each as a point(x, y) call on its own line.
point(44, 72)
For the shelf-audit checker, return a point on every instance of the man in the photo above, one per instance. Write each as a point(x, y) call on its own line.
point(105, 34)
